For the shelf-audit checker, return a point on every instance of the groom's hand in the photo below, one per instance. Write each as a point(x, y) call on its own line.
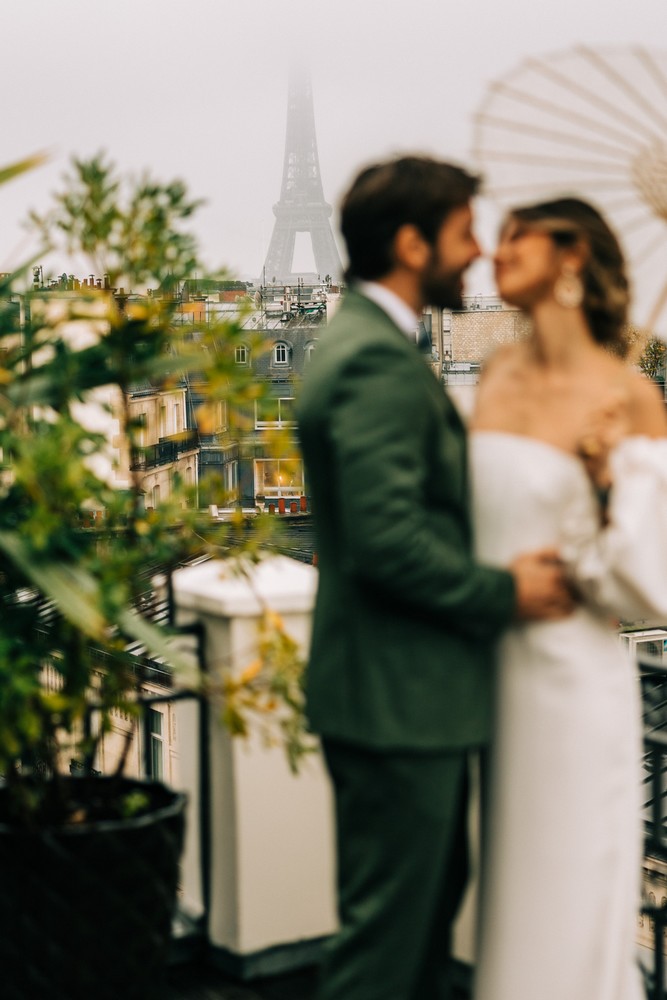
point(542, 592)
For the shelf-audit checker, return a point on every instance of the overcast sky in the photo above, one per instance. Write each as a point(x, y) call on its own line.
point(198, 90)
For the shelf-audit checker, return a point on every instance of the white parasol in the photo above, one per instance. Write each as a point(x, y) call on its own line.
point(591, 123)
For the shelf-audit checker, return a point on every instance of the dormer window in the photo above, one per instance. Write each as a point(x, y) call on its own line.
point(241, 354)
point(309, 351)
point(280, 354)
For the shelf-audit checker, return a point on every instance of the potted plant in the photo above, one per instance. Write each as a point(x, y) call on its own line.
point(97, 856)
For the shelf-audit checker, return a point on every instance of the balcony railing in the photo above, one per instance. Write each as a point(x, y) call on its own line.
point(167, 450)
point(654, 698)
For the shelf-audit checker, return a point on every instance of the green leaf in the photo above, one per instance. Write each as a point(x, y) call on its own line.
point(20, 167)
point(159, 642)
point(75, 592)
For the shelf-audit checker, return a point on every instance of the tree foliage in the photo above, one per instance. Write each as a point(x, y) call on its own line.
point(71, 588)
point(653, 358)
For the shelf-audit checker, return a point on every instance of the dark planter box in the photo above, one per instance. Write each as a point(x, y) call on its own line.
point(86, 910)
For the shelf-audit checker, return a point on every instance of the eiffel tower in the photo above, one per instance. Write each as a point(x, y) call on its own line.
point(302, 208)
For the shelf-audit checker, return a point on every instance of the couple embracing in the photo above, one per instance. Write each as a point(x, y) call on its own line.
point(468, 588)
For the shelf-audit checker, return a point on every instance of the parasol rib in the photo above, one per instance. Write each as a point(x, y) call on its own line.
point(623, 84)
point(558, 112)
point(643, 255)
point(579, 142)
point(633, 225)
point(614, 112)
point(549, 186)
point(657, 308)
point(650, 64)
point(551, 161)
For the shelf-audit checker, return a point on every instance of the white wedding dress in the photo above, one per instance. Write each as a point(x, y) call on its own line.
point(559, 887)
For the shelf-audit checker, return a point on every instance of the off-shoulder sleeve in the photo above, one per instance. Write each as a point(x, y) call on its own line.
point(622, 569)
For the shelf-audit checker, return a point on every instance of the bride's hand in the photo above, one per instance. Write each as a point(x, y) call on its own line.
point(608, 425)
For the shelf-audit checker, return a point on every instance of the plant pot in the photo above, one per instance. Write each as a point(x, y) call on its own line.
point(86, 909)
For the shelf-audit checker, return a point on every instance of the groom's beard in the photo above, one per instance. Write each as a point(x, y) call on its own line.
point(441, 287)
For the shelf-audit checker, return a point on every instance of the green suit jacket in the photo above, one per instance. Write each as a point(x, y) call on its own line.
point(405, 620)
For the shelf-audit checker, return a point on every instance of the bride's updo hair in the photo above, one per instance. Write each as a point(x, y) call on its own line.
point(570, 221)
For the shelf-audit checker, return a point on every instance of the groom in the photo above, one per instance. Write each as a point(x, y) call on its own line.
point(401, 666)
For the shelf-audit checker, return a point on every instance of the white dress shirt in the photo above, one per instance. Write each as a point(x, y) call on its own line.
point(395, 307)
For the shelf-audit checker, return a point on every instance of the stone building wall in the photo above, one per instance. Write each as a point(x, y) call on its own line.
point(475, 333)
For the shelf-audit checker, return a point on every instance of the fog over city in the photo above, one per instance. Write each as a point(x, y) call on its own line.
point(198, 91)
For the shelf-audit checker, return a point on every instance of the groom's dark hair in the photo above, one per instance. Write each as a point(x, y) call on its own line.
point(412, 190)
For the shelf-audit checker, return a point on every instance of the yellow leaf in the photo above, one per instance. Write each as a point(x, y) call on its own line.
point(273, 620)
point(206, 418)
point(250, 672)
point(136, 311)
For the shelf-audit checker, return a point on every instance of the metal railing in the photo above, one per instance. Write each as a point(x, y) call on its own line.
point(190, 934)
point(167, 450)
point(654, 701)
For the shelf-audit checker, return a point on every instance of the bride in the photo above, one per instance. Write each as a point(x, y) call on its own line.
point(568, 447)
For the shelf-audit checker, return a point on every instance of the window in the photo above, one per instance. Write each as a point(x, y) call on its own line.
point(156, 756)
point(156, 496)
point(231, 477)
point(241, 354)
point(223, 420)
point(274, 412)
point(280, 354)
point(279, 477)
point(309, 351)
point(142, 421)
point(211, 417)
point(163, 421)
point(177, 418)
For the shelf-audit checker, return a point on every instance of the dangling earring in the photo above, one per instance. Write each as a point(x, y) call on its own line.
point(569, 289)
